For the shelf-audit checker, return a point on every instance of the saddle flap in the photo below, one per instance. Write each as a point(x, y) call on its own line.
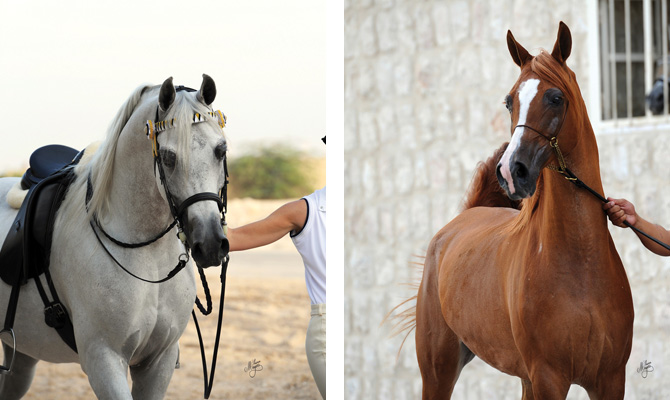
point(28, 243)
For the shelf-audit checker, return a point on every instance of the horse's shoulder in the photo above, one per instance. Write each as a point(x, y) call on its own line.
point(483, 218)
point(478, 218)
point(472, 226)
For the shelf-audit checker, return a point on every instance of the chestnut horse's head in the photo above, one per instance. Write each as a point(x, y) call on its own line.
point(540, 109)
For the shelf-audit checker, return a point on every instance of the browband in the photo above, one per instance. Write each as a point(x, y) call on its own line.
point(152, 129)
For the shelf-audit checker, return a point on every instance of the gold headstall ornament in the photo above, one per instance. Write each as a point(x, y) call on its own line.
point(152, 129)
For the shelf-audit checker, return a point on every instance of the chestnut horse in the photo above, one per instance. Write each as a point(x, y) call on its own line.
point(538, 293)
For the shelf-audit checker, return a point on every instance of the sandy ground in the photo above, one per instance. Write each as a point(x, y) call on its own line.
point(265, 319)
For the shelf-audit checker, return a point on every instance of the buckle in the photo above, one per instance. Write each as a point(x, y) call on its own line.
point(55, 315)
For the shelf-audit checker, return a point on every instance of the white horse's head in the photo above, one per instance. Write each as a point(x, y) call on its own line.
point(181, 171)
point(192, 157)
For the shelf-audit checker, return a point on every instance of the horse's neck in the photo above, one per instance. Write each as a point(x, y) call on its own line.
point(137, 209)
point(571, 216)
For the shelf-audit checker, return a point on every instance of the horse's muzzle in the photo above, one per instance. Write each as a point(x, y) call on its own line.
point(209, 245)
point(520, 182)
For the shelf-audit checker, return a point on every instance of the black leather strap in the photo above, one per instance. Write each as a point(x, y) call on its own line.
point(13, 302)
point(209, 382)
point(180, 265)
point(199, 197)
point(55, 313)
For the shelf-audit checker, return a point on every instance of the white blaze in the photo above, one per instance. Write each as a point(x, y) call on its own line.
point(527, 91)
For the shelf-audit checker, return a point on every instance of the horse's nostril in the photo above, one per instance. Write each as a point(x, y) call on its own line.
point(521, 171)
point(196, 249)
point(498, 173)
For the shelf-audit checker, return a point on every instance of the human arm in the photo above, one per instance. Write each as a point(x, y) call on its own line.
point(289, 217)
point(620, 210)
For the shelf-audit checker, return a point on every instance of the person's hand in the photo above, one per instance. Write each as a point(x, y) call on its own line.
point(620, 210)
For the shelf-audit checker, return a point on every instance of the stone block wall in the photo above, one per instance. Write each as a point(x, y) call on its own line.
point(424, 86)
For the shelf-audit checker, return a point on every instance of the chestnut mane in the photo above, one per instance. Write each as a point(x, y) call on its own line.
point(484, 190)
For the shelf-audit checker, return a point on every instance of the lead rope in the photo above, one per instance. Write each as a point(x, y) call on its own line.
point(567, 174)
point(209, 382)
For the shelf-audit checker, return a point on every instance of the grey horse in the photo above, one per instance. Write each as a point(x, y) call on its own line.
point(120, 323)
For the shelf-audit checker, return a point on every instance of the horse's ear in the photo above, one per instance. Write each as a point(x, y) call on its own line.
point(207, 91)
point(563, 45)
point(519, 54)
point(167, 94)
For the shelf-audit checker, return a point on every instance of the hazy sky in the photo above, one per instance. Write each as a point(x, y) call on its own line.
point(67, 66)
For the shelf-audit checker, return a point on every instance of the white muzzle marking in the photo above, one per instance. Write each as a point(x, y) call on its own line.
point(527, 91)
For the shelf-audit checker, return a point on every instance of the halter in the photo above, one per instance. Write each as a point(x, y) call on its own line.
point(553, 142)
point(571, 177)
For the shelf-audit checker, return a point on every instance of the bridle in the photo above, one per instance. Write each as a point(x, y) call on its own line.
point(553, 142)
point(152, 130)
point(571, 177)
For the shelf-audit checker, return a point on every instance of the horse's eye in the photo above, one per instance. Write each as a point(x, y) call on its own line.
point(508, 103)
point(169, 158)
point(554, 97)
point(220, 151)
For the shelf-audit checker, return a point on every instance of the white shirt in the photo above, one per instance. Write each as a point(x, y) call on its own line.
point(311, 244)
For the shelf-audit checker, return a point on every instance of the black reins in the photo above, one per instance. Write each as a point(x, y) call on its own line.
point(209, 383)
point(571, 177)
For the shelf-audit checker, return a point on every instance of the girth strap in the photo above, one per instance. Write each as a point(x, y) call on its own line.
point(9, 322)
point(55, 314)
